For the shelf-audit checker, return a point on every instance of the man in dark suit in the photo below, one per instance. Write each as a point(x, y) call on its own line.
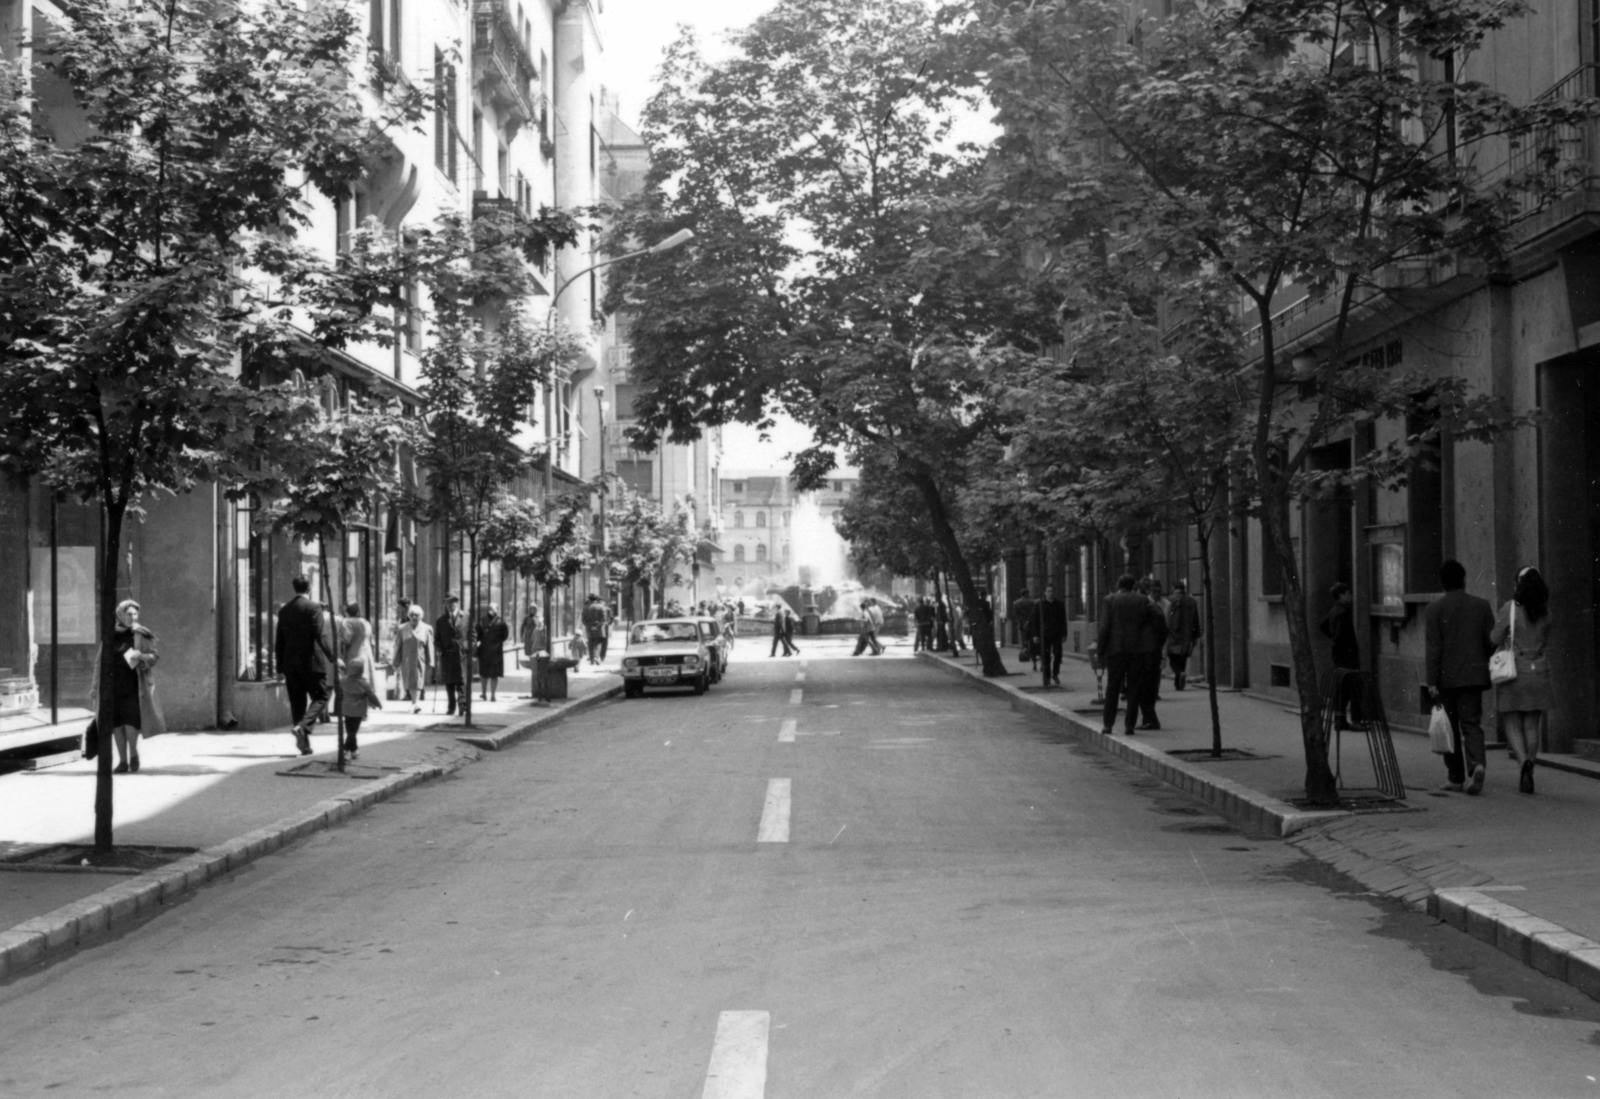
point(303, 648)
point(1050, 618)
point(1458, 650)
point(1152, 639)
point(1123, 619)
point(449, 634)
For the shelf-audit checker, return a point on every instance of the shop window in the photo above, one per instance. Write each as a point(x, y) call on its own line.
point(257, 602)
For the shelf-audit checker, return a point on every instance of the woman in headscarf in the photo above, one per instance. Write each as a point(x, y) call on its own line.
point(355, 683)
point(413, 652)
point(492, 635)
point(134, 709)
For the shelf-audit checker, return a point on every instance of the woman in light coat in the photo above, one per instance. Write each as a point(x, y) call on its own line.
point(356, 694)
point(413, 653)
point(1522, 702)
point(134, 709)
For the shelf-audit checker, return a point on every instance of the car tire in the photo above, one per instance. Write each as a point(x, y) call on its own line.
point(632, 690)
point(701, 684)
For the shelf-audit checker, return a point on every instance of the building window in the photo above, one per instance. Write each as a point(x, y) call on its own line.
point(761, 518)
point(738, 486)
point(444, 115)
point(786, 518)
point(738, 553)
point(761, 552)
point(738, 518)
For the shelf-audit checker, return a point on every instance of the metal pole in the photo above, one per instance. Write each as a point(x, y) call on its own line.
point(55, 619)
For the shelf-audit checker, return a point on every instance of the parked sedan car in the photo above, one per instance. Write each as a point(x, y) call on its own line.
point(666, 652)
point(717, 642)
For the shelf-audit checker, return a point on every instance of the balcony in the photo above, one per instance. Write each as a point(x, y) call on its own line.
point(501, 67)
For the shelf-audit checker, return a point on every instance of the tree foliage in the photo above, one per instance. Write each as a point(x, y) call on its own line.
point(1312, 151)
point(826, 280)
point(647, 545)
point(149, 246)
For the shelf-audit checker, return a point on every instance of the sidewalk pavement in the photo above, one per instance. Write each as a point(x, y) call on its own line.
point(233, 797)
point(1515, 870)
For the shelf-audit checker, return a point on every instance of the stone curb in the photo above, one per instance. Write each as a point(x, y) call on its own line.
point(1249, 808)
point(522, 730)
point(1537, 943)
point(125, 903)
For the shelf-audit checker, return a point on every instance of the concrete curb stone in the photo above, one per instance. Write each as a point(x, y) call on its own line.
point(522, 730)
point(1385, 863)
point(75, 924)
point(1254, 810)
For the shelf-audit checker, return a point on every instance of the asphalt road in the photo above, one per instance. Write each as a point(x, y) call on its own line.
point(910, 892)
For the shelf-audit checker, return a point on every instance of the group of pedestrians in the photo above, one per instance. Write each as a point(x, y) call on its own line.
point(1462, 633)
point(783, 621)
point(1134, 634)
point(940, 626)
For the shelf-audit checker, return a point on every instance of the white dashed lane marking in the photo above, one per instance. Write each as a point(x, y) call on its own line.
point(738, 1068)
point(794, 696)
point(786, 732)
point(775, 813)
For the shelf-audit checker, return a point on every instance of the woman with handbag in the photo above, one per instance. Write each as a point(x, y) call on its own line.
point(356, 693)
point(1524, 625)
point(134, 709)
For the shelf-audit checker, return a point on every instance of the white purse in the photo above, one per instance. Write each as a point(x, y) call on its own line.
point(1503, 664)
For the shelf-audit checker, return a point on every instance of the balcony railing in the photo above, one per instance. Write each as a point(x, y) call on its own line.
point(500, 62)
point(1570, 147)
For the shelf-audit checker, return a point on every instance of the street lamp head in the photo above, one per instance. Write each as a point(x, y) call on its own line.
point(682, 236)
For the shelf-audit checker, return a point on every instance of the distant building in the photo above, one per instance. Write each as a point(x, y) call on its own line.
point(763, 541)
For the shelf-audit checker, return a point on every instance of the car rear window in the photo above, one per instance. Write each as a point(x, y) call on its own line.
point(647, 632)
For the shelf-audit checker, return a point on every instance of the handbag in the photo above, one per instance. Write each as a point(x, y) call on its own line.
point(1503, 664)
point(1442, 736)
point(91, 739)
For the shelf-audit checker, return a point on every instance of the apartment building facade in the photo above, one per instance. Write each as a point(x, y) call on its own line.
point(511, 126)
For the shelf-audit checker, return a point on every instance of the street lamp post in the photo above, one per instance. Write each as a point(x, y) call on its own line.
point(682, 236)
point(600, 409)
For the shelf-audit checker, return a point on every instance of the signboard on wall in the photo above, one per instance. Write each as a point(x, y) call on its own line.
point(75, 623)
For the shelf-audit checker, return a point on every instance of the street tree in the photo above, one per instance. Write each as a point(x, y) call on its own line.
point(1334, 153)
point(825, 281)
point(648, 545)
point(149, 247)
point(478, 381)
point(339, 465)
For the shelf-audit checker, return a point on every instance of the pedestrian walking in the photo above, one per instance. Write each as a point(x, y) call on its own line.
point(303, 645)
point(780, 636)
point(941, 624)
point(596, 624)
point(134, 709)
point(958, 624)
point(1457, 629)
point(1183, 632)
point(1024, 612)
point(492, 636)
point(356, 692)
point(1049, 631)
point(1122, 628)
point(1523, 624)
point(789, 618)
point(412, 656)
point(874, 626)
point(922, 617)
point(1152, 641)
point(450, 639)
point(1339, 626)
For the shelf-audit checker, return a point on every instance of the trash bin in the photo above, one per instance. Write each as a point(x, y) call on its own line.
point(550, 676)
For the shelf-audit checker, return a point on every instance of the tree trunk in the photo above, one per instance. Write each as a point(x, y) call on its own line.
point(982, 632)
point(469, 647)
point(1321, 787)
point(327, 607)
point(110, 546)
point(1203, 536)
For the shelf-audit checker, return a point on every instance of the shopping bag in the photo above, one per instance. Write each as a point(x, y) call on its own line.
point(1440, 732)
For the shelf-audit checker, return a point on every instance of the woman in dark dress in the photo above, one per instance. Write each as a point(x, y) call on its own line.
point(492, 635)
point(133, 706)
